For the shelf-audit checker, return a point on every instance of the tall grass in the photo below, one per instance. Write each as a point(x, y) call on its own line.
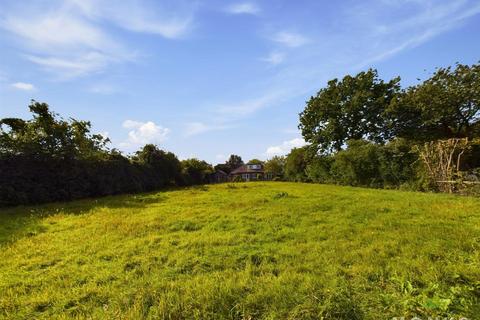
point(243, 251)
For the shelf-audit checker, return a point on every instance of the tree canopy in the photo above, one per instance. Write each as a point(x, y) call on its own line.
point(364, 107)
point(351, 108)
point(233, 162)
point(47, 158)
point(196, 171)
point(275, 166)
point(48, 135)
point(447, 105)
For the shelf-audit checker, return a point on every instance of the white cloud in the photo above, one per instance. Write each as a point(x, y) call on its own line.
point(195, 128)
point(57, 31)
point(141, 16)
point(142, 133)
point(285, 147)
point(275, 58)
point(372, 36)
point(290, 39)
point(243, 8)
point(64, 43)
point(68, 68)
point(23, 86)
point(247, 107)
point(69, 38)
point(102, 88)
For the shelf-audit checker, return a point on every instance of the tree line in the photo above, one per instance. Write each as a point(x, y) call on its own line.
point(49, 158)
point(360, 131)
point(364, 131)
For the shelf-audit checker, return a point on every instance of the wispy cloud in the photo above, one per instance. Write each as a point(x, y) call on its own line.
point(374, 39)
point(69, 38)
point(168, 19)
point(103, 88)
point(142, 133)
point(196, 128)
point(285, 147)
point(274, 58)
point(290, 39)
point(243, 8)
point(23, 86)
point(68, 68)
point(244, 108)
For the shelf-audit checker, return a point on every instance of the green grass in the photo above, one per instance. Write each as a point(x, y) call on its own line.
point(243, 251)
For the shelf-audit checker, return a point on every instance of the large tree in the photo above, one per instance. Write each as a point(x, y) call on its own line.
point(351, 108)
point(48, 135)
point(163, 165)
point(447, 105)
point(234, 161)
point(231, 164)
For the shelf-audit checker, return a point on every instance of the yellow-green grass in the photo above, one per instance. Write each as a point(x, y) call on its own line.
point(243, 251)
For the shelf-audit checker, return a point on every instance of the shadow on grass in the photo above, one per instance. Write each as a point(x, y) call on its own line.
point(23, 221)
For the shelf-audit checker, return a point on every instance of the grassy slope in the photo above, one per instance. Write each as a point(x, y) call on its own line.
point(243, 252)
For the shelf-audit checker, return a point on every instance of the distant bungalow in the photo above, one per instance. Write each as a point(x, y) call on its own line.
point(246, 172)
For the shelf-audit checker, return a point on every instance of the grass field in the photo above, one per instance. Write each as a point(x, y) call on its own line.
point(243, 251)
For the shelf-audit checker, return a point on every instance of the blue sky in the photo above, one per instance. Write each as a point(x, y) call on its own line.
point(209, 78)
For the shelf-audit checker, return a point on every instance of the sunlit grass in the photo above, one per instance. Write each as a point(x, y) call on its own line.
point(243, 251)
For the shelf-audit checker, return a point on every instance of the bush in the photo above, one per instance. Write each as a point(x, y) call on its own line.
point(367, 164)
point(319, 169)
point(295, 165)
point(358, 165)
point(195, 171)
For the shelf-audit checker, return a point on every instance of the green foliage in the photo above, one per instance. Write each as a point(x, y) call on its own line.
point(251, 251)
point(196, 171)
point(49, 159)
point(231, 164)
point(399, 165)
point(447, 105)
point(165, 166)
point(295, 164)
point(223, 167)
point(47, 136)
point(358, 165)
point(365, 128)
point(350, 109)
point(255, 161)
point(319, 169)
point(364, 163)
point(234, 162)
point(276, 166)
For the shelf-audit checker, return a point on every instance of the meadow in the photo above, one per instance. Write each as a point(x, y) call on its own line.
point(266, 250)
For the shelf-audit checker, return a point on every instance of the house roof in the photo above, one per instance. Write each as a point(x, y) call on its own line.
point(246, 169)
point(223, 173)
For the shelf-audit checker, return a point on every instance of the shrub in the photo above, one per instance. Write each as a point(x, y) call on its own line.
point(358, 165)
